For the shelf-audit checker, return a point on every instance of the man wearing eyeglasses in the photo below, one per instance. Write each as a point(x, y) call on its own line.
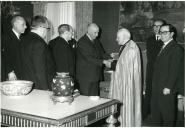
point(153, 46)
point(37, 61)
point(166, 79)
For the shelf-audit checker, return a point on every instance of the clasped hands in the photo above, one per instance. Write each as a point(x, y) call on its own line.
point(12, 76)
point(166, 91)
point(115, 56)
point(107, 63)
point(181, 101)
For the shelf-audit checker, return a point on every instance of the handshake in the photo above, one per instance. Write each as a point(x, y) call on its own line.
point(115, 57)
point(107, 63)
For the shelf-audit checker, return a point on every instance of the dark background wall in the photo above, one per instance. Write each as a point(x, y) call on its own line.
point(138, 17)
point(106, 15)
point(26, 8)
point(22, 8)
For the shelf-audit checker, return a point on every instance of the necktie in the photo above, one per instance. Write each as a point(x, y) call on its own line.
point(93, 42)
point(20, 37)
point(157, 38)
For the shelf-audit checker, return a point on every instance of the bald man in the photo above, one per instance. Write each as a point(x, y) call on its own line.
point(12, 42)
point(126, 81)
point(90, 58)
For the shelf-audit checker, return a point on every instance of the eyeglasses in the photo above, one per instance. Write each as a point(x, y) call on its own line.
point(156, 25)
point(164, 32)
point(45, 27)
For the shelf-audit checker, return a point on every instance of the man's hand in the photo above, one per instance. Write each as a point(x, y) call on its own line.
point(166, 91)
point(12, 76)
point(115, 56)
point(107, 63)
point(181, 103)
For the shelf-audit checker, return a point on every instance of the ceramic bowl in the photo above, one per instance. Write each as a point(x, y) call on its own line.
point(16, 87)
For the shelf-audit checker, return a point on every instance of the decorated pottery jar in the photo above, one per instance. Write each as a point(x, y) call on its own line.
point(63, 85)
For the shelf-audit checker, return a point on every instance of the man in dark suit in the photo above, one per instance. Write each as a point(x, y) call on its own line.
point(166, 79)
point(153, 46)
point(62, 51)
point(11, 49)
point(180, 96)
point(90, 58)
point(37, 61)
point(73, 44)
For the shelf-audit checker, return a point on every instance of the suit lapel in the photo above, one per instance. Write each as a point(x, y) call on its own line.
point(93, 46)
point(14, 36)
point(89, 41)
point(166, 49)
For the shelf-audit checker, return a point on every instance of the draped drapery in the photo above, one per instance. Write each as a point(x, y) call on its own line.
point(84, 11)
point(39, 8)
point(78, 14)
point(57, 13)
point(60, 13)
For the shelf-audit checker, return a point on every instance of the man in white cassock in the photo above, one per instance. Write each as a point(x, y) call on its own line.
point(126, 80)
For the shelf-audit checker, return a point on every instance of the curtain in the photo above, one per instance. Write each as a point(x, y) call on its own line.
point(77, 14)
point(60, 13)
point(84, 11)
point(39, 8)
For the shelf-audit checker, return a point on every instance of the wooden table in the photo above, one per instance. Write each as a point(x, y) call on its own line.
point(38, 110)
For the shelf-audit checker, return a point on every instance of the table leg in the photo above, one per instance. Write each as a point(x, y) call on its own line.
point(111, 121)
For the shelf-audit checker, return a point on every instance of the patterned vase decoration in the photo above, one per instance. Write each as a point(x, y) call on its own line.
point(63, 85)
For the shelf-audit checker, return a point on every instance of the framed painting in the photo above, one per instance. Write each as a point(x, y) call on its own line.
point(138, 17)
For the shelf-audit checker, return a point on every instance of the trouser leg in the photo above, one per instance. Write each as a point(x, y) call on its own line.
point(155, 112)
point(167, 106)
point(146, 104)
point(83, 87)
point(180, 119)
point(94, 89)
point(89, 88)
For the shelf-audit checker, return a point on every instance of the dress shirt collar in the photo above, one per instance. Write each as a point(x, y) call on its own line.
point(157, 37)
point(64, 39)
point(16, 33)
point(165, 43)
point(89, 37)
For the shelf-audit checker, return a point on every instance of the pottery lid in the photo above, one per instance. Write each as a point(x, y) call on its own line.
point(63, 74)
